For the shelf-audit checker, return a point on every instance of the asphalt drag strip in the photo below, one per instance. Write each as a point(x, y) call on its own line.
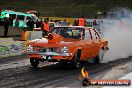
point(53, 75)
point(17, 61)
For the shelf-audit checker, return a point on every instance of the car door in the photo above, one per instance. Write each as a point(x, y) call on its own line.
point(88, 44)
point(95, 41)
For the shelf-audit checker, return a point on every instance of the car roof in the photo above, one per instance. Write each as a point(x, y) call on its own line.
point(77, 27)
point(72, 26)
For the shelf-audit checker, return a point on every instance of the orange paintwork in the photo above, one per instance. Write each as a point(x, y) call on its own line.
point(89, 47)
point(34, 56)
point(54, 38)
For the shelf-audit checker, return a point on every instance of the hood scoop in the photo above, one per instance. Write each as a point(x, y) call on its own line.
point(43, 40)
point(54, 38)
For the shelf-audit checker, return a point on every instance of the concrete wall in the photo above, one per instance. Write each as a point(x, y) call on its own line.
point(31, 35)
point(13, 31)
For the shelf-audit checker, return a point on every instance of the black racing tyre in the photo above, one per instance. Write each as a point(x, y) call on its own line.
point(76, 60)
point(99, 58)
point(34, 62)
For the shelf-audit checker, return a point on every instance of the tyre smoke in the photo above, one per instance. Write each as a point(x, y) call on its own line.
point(118, 31)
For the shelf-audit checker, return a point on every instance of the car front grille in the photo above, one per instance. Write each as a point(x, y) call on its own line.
point(43, 49)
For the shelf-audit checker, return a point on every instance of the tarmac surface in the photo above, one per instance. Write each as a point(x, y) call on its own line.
point(16, 72)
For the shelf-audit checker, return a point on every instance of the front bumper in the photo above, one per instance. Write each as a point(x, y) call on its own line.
point(49, 53)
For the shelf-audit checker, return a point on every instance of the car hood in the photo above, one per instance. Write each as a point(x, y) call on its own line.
point(52, 40)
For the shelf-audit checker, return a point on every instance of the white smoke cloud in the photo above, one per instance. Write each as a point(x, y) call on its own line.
point(119, 34)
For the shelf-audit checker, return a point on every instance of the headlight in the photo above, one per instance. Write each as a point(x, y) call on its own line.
point(29, 48)
point(64, 49)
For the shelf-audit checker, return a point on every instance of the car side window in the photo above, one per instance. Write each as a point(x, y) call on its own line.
point(94, 34)
point(87, 35)
point(20, 17)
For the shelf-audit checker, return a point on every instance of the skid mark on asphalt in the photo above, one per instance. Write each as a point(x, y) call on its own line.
point(94, 71)
point(51, 75)
point(62, 82)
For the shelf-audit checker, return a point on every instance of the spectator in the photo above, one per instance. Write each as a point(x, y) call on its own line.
point(1, 22)
point(38, 24)
point(17, 22)
point(45, 27)
point(51, 20)
point(11, 21)
point(75, 22)
point(47, 19)
point(30, 24)
point(82, 21)
point(6, 26)
point(94, 22)
point(65, 22)
point(81, 34)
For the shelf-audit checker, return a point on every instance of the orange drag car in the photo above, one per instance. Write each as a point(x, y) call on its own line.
point(68, 44)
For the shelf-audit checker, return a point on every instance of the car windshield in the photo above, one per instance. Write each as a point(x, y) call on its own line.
point(68, 32)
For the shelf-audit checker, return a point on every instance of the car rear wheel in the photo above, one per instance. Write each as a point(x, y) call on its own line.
point(34, 62)
point(99, 58)
point(76, 60)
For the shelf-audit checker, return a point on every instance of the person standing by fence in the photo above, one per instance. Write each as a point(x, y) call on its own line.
point(6, 26)
point(75, 22)
point(30, 24)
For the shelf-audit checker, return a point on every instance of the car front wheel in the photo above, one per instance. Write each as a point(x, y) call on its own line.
point(34, 62)
point(76, 60)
